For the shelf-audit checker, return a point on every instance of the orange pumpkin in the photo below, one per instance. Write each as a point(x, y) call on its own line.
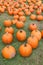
point(38, 11)
point(25, 50)
point(14, 21)
point(27, 12)
point(37, 34)
point(9, 30)
point(7, 38)
point(21, 13)
point(33, 17)
point(39, 17)
point(32, 26)
point(19, 24)
point(31, 10)
point(42, 33)
point(8, 52)
point(16, 17)
point(7, 23)
point(33, 41)
point(21, 35)
point(22, 18)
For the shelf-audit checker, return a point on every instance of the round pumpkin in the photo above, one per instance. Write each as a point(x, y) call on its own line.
point(42, 33)
point(16, 16)
point(8, 52)
point(20, 24)
point(39, 17)
point(25, 50)
point(7, 23)
point(33, 41)
point(21, 13)
point(33, 17)
point(9, 30)
point(36, 33)
point(14, 21)
point(32, 26)
point(7, 38)
point(38, 11)
point(21, 35)
point(22, 18)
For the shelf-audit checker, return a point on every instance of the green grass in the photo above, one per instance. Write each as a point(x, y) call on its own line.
point(37, 56)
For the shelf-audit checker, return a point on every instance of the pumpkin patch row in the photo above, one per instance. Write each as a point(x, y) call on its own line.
point(19, 9)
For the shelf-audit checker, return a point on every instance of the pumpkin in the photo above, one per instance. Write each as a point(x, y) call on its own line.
point(9, 30)
point(14, 21)
point(39, 17)
point(32, 26)
point(21, 35)
point(33, 41)
point(7, 38)
point(42, 33)
point(35, 7)
point(7, 23)
point(16, 17)
point(8, 52)
point(31, 10)
point(42, 7)
point(20, 24)
point(22, 18)
point(33, 17)
point(25, 50)
point(36, 33)
point(27, 12)
point(38, 11)
point(21, 13)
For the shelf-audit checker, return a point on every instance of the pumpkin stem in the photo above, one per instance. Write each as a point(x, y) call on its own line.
point(21, 31)
point(25, 45)
point(33, 23)
point(7, 46)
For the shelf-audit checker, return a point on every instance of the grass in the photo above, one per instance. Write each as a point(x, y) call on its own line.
point(37, 56)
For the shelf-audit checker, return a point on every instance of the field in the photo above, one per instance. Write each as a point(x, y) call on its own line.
point(37, 56)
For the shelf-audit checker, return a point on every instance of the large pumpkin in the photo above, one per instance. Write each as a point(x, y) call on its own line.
point(25, 50)
point(8, 52)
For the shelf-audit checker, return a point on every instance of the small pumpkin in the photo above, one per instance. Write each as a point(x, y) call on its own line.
point(39, 11)
point(33, 17)
point(20, 24)
point(42, 33)
point(39, 17)
point(22, 18)
point(21, 13)
point(33, 41)
point(37, 34)
point(31, 10)
point(14, 21)
point(25, 50)
point(8, 52)
point(7, 38)
point(21, 35)
point(9, 30)
point(16, 16)
point(32, 26)
point(7, 23)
